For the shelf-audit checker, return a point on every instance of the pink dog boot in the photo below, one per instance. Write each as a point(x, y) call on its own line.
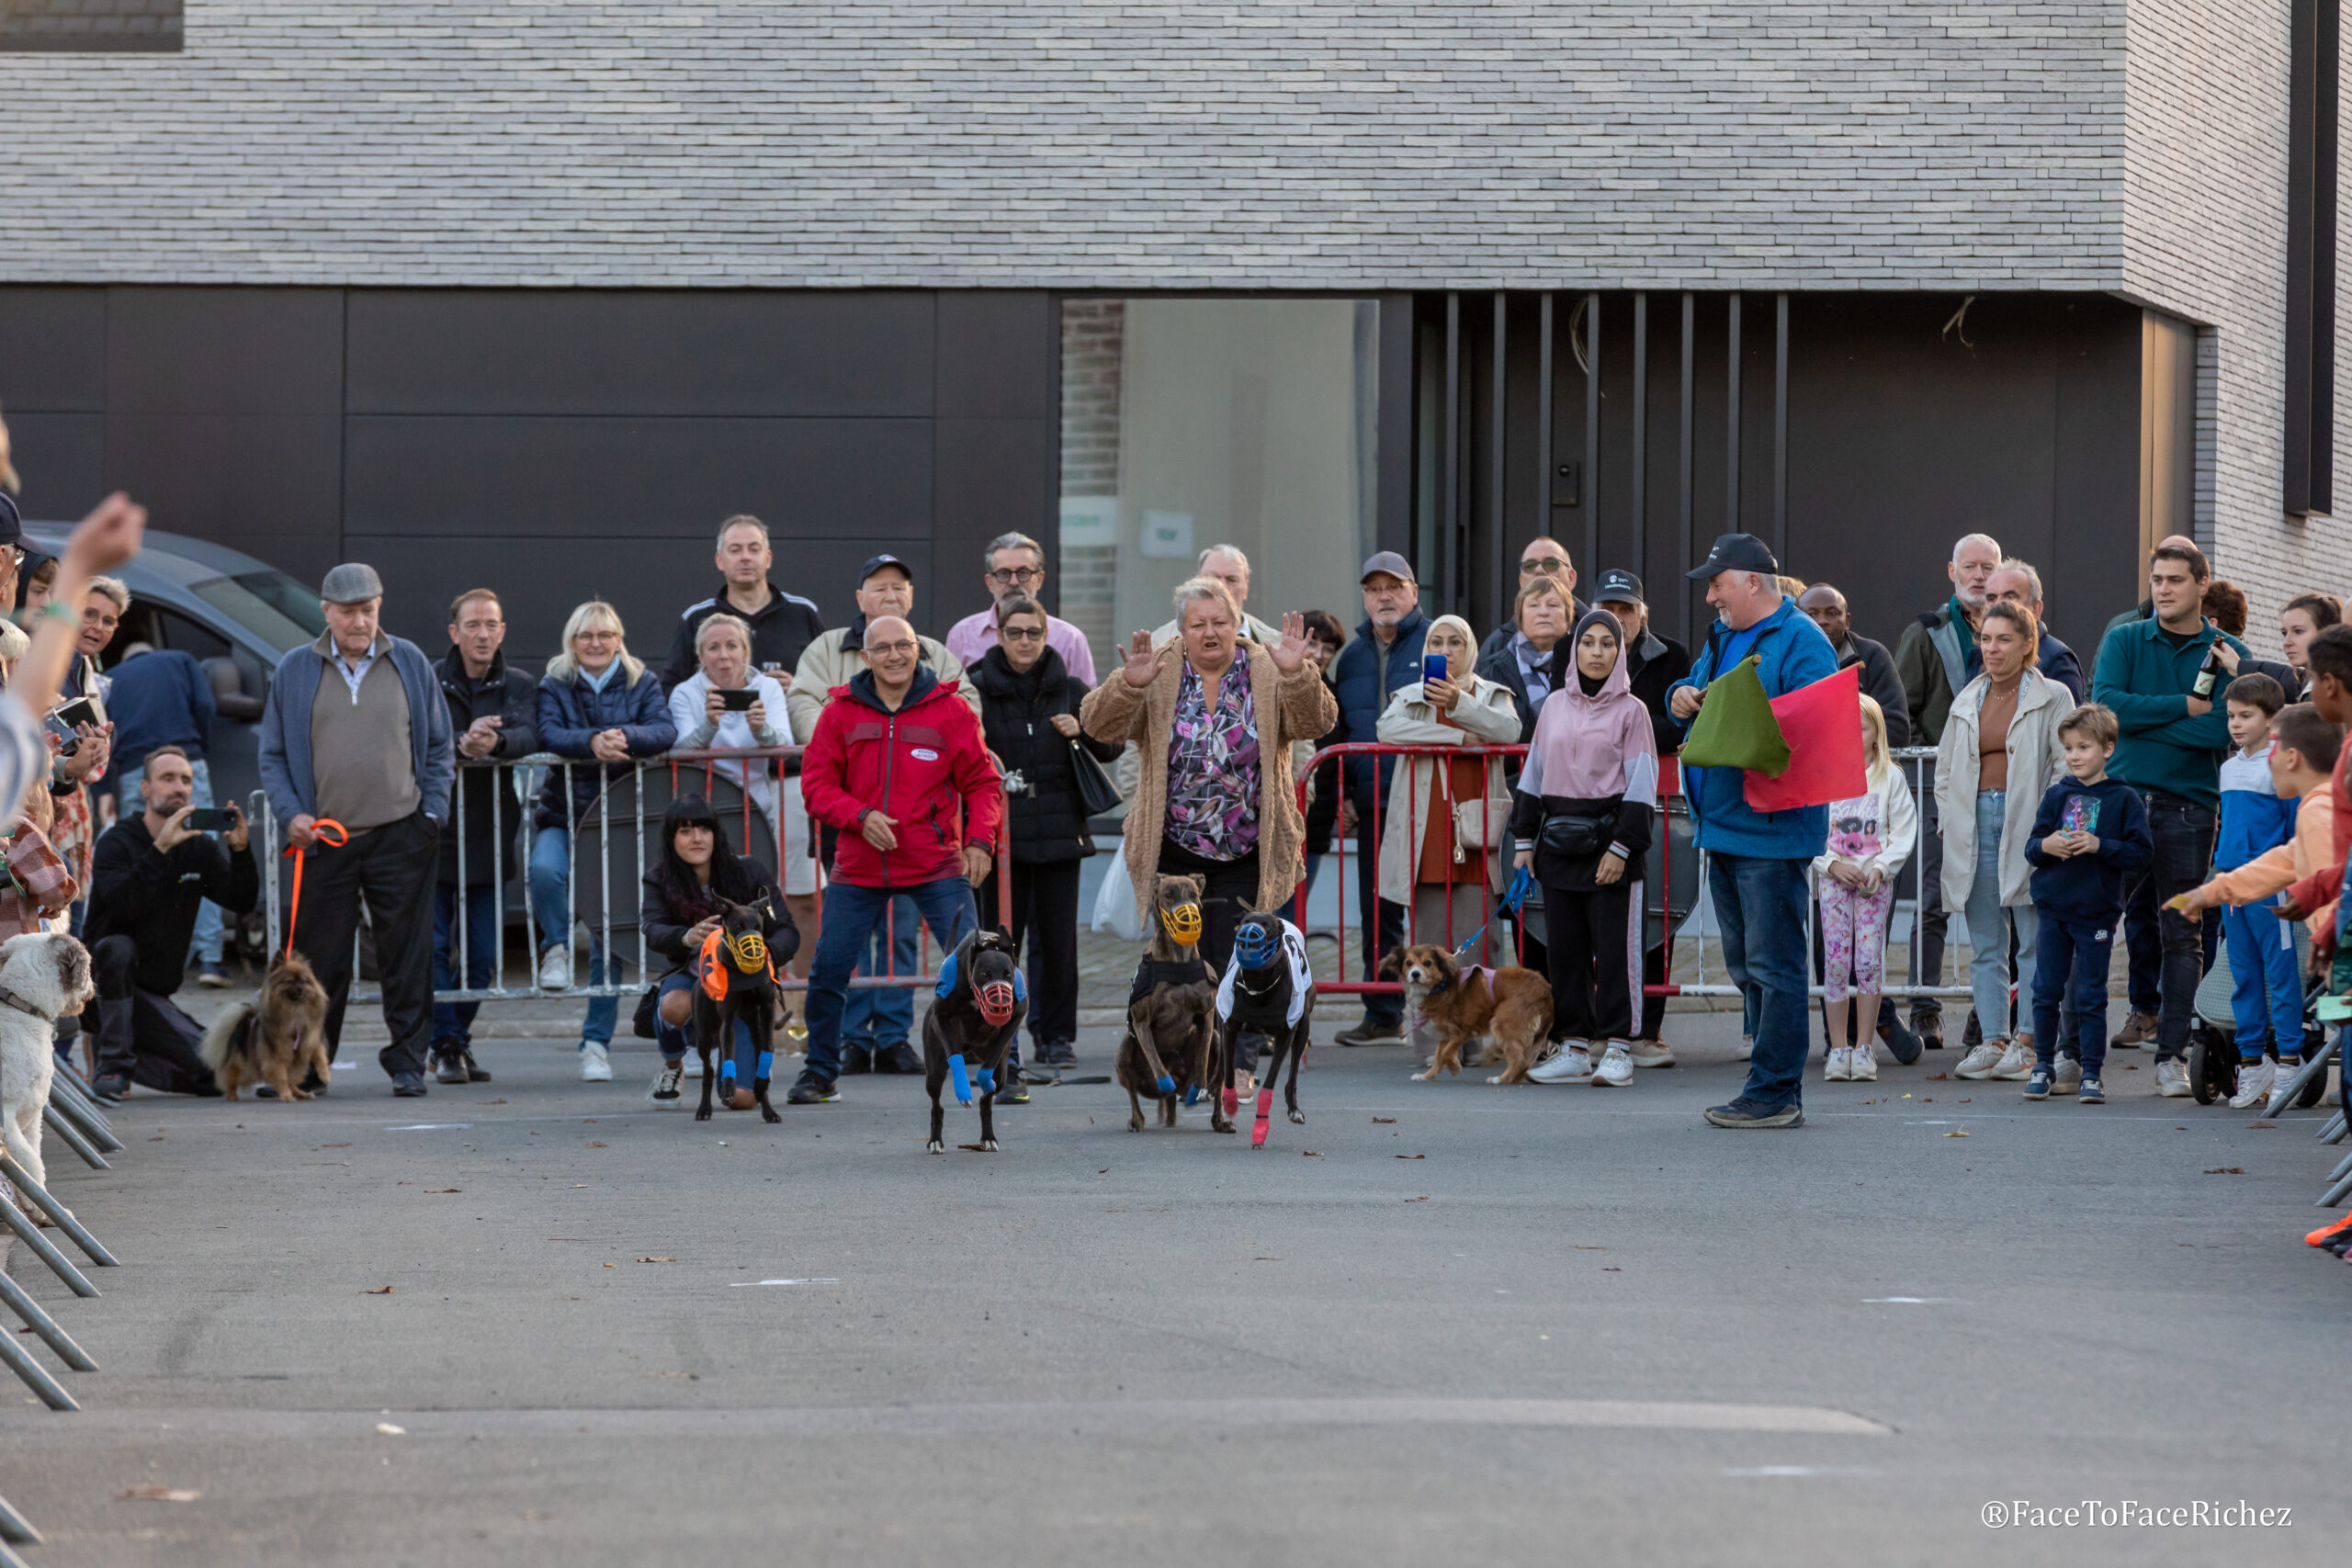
point(1265, 1108)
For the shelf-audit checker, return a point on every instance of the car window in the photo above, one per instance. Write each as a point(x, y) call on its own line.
point(275, 607)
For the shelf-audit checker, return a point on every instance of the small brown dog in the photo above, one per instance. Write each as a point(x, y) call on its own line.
point(270, 1040)
point(1170, 1022)
point(1510, 1006)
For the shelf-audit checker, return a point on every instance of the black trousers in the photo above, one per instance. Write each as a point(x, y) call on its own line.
point(393, 868)
point(1592, 942)
point(1044, 927)
point(1228, 888)
point(141, 1034)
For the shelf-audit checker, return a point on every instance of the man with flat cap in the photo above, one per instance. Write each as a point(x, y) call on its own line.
point(356, 733)
point(1756, 860)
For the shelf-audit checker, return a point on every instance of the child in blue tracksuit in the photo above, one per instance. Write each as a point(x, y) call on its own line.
point(2265, 985)
point(2090, 832)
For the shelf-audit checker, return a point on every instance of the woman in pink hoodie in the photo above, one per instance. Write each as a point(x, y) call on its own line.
point(1587, 797)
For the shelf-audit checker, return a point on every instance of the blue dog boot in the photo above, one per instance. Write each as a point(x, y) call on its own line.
point(985, 1078)
point(1192, 1093)
point(1167, 1084)
point(960, 1079)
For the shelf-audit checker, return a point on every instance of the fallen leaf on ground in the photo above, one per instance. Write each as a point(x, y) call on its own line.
point(1937, 1078)
point(437, 1192)
point(2264, 1126)
point(657, 1260)
point(1588, 1246)
point(493, 1102)
point(1409, 1156)
point(1382, 1120)
point(1611, 1268)
point(2227, 1170)
point(334, 1145)
point(976, 1148)
point(1968, 1102)
point(608, 1265)
point(160, 1494)
point(1310, 1154)
point(1422, 1198)
point(1955, 1133)
point(594, 1145)
point(382, 1291)
point(386, 1429)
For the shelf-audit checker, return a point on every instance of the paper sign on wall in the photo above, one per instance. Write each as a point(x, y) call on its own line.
point(1167, 536)
point(1089, 521)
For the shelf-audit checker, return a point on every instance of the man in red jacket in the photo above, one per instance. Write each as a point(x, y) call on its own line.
point(898, 764)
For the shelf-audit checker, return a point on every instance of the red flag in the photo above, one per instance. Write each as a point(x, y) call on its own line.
point(1822, 725)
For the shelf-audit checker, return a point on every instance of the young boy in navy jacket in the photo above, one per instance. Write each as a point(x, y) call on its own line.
point(2090, 834)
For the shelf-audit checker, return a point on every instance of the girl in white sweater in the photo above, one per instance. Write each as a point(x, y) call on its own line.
point(1870, 837)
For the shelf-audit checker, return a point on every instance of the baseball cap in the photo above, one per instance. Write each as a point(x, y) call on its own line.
point(1389, 562)
point(1735, 552)
point(351, 583)
point(1618, 586)
point(876, 563)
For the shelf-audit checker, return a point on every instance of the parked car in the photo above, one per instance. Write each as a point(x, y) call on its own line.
point(238, 617)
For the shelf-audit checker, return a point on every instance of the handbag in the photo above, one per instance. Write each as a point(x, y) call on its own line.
point(1096, 791)
point(1477, 824)
point(1576, 838)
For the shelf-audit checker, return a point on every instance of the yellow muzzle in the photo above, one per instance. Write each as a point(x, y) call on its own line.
point(748, 951)
point(1183, 924)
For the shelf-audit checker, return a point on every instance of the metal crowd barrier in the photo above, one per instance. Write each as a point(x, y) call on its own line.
point(1673, 808)
point(623, 824)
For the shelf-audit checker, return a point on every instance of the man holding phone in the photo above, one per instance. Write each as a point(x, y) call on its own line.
point(161, 697)
point(152, 872)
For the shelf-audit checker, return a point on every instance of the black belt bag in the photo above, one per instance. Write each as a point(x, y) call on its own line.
point(1576, 838)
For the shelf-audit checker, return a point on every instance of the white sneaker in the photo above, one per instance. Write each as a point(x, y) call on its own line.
point(555, 969)
point(1982, 1060)
point(1747, 1048)
point(1570, 1063)
point(1861, 1066)
point(2017, 1062)
point(1834, 1070)
point(2068, 1079)
point(693, 1066)
point(1616, 1069)
point(1651, 1053)
point(666, 1088)
point(596, 1066)
point(2255, 1084)
point(2172, 1078)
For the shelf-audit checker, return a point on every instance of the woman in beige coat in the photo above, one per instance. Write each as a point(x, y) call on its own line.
point(1424, 861)
point(1214, 720)
point(2000, 751)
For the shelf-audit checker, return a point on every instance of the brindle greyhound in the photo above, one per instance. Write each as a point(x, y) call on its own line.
point(968, 1032)
point(1173, 1003)
point(738, 982)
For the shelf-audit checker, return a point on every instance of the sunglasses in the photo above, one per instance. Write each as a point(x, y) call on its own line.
point(1023, 634)
point(1543, 566)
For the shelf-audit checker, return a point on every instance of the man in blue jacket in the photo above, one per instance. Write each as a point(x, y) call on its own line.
point(1385, 654)
point(1756, 860)
point(2171, 750)
point(357, 732)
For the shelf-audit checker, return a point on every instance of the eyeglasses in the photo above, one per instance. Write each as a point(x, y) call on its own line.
point(1543, 566)
point(1023, 634)
point(600, 636)
point(1017, 576)
point(874, 647)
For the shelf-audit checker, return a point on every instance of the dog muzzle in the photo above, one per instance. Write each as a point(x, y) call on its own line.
point(1254, 947)
point(748, 951)
point(1183, 923)
point(995, 1002)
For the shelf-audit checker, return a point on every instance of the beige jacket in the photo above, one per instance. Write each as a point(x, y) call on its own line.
point(2037, 760)
point(1488, 717)
point(1289, 708)
point(825, 664)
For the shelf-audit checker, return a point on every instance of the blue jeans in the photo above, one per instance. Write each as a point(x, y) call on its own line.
point(453, 1022)
point(1759, 906)
point(1989, 922)
point(2266, 986)
point(878, 1019)
point(131, 796)
point(550, 877)
point(851, 915)
point(741, 1064)
point(2073, 965)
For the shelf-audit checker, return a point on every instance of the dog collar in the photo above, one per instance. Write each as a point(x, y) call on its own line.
point(10, 999)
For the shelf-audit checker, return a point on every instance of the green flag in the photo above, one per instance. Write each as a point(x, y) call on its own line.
point(1736, 728)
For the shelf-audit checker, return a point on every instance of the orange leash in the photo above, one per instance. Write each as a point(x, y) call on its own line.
point(331, 833)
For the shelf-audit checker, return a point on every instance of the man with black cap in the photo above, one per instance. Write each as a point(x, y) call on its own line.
point(877, 1022)
point(1756, 860)
point(356, 733)
point(1386, 655)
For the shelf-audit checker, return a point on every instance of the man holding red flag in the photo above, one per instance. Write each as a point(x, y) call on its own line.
point(1757, 858)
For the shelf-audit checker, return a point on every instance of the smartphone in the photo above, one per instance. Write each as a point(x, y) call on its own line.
point(211, 820)
point(75, 714)
point(739, 700)
point(1433, 667)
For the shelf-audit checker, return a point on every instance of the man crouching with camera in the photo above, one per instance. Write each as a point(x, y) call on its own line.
point(151, 873)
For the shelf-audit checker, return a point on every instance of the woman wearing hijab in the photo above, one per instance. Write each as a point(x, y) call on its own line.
point(679, 906)
point(1587, 796)
point(1437, 847)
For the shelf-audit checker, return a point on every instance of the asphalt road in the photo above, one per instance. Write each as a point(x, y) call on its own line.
point(1476, 1325)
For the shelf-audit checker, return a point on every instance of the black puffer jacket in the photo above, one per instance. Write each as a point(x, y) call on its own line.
point(1016, 710)
point(513, 699)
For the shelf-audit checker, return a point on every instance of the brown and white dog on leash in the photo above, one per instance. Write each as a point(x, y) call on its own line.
point(1171, 1008)
point(42, 974)
point(1510, 1006)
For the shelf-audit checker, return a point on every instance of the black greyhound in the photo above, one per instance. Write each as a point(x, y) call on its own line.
point(1261, 988)
point(738, 981)
point(980, 1003)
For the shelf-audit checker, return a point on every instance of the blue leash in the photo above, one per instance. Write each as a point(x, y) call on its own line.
point(1523, 881)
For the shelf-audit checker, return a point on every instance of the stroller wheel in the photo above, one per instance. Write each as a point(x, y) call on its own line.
point(2212, 1066)
point(2313, 1092)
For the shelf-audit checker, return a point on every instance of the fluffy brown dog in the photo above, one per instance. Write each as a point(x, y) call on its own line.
point(1170, 1009)
point(1510, 1006)
point(266, 1041)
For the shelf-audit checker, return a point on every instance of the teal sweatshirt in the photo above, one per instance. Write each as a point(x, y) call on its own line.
point(2145, 680)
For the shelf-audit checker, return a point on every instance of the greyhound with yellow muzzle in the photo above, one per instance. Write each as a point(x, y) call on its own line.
point(1169, 1008)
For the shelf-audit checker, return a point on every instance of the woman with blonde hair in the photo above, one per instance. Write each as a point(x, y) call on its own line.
point(600, 705)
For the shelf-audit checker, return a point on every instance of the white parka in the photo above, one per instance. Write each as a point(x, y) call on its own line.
point(2037, 760)
point(1487, 718)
